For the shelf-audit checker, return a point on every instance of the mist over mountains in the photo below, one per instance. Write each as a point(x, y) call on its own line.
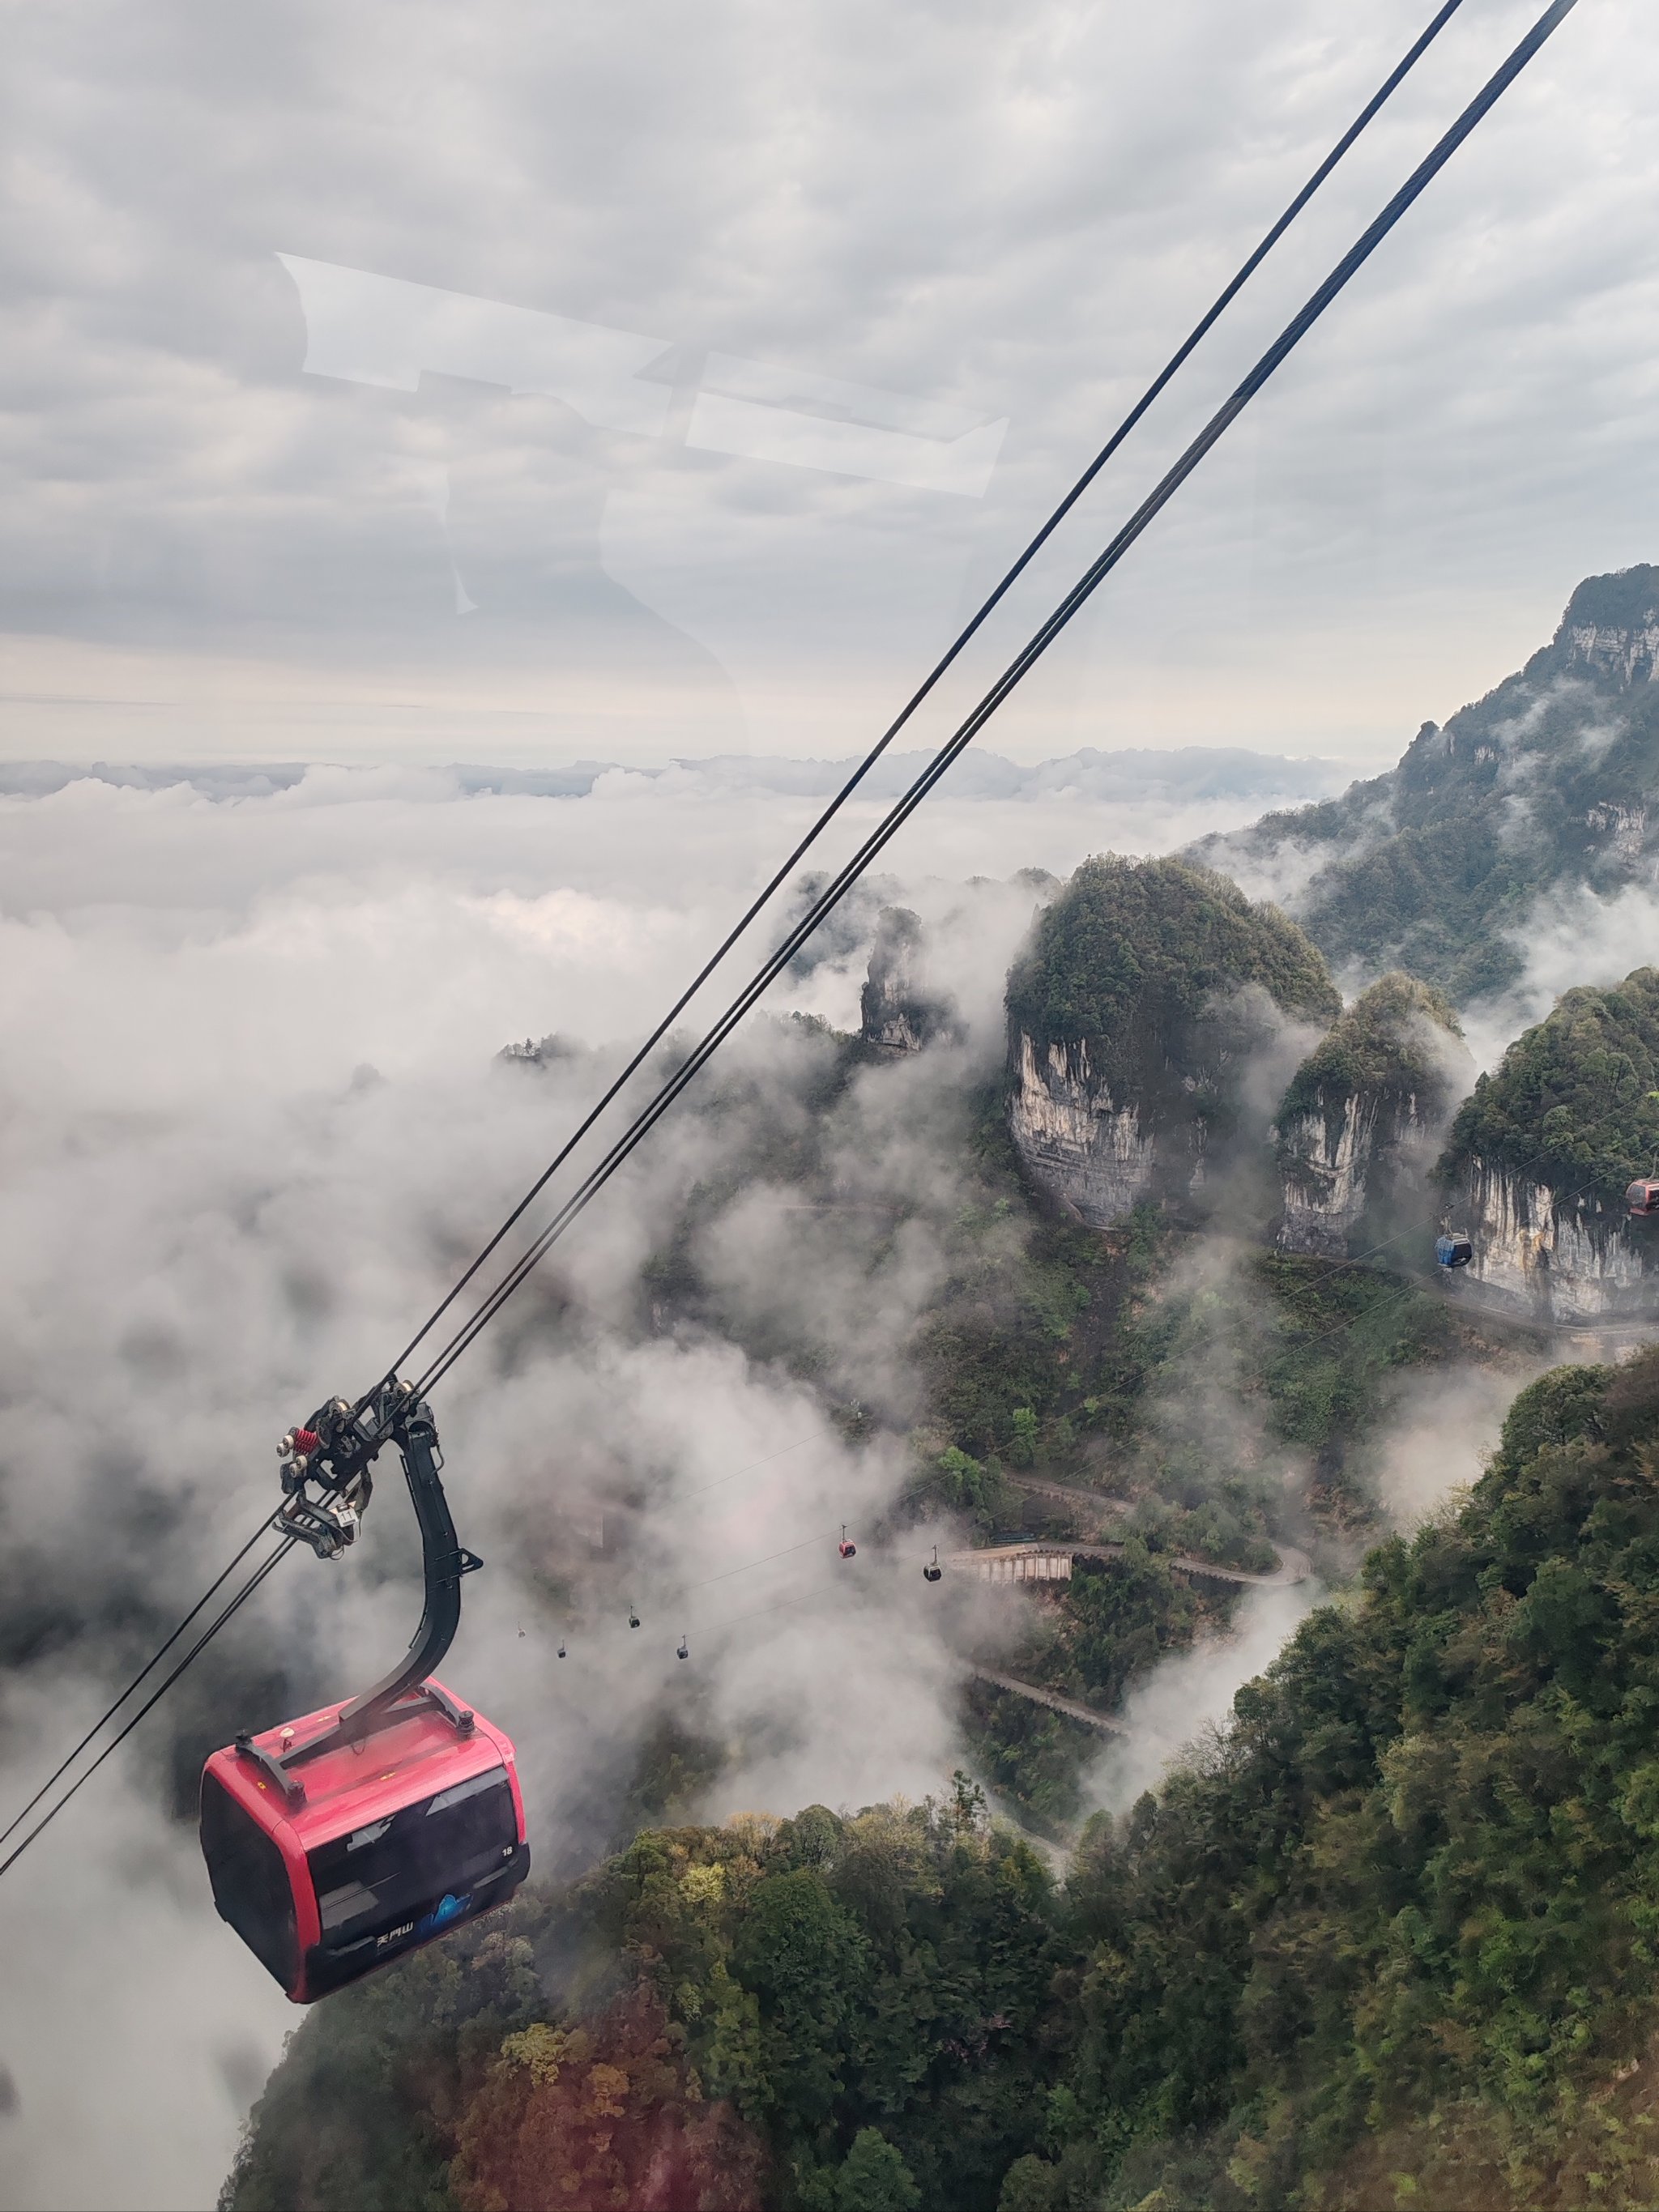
point(1166, 1354)
point(254, 1018)
point(1192, 773)
point(1540, 792)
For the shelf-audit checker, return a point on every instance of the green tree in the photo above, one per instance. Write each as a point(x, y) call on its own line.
point(1030, 2185)
point(1571, 1102)
point(805, 1960)
point(874, 2178)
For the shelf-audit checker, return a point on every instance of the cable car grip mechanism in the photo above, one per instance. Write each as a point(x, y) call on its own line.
point(326, 1472)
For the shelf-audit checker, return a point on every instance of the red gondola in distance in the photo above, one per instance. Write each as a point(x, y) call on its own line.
point(340, 1841)
point(1641, 1198)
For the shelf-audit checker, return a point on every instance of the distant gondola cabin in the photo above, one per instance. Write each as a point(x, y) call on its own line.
point(1643, 1200)
point(328, 1868)
point(1453, 1251)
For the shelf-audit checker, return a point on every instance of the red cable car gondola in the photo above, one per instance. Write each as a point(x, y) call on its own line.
point(340, 1841)
point(1643, 1200)
point(375, 1848)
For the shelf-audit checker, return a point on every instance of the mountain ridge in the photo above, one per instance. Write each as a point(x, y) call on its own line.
point(1545, 783)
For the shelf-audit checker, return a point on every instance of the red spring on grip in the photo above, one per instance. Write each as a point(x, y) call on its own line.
point(306, 1440)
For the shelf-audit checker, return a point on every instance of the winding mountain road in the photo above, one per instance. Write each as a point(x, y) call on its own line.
point(1039, 1696)
point(1293, 1566)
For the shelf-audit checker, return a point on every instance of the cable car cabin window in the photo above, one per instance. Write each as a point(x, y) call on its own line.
point(398, 1880)
point(250, 1881)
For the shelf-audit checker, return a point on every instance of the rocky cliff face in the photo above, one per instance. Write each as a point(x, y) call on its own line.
point(1549, 1254)
point(1541, 1153)
point(1335, 1150)
point(897, 1009)
point(1623, 650)
point(1365, 1117)
point(1084, 1148)
point(1150, 989)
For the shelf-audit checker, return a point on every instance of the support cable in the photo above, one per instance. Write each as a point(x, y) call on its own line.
point(953, 652)
point(1220, 423)
point(105, 1718)
point(154, 1700)
point(896, 816)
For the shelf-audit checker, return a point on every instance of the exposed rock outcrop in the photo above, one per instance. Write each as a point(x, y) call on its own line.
point(1549, 1253)
point(1150, 989)
point(1365, 1117)
point(1539, 1158)
point(1087, 1152)
point(1611, 629)
point(544, 1052)
point(1549, 783)
point(899, 1011)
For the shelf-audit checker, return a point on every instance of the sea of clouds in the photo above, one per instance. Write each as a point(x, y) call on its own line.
point(251, 1121)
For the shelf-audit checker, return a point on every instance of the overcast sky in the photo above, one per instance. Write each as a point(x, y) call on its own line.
point(813, 312)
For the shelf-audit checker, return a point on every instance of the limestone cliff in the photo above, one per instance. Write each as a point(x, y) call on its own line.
point(1365, 1117)
point(1083, 1149)
point(1538, 1156)
point(1551, 1254)
point(898, 1010)
point(1149, 990)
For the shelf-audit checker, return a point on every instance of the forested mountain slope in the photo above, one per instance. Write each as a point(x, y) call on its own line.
point(1146, 994)
point(1548, 781)
point(1543, 1151)
point(1401, 1920)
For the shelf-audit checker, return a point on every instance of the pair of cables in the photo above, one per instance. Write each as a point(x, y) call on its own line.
point(226, 1614)
point(831, 894)
point(936, 675)
point(839, 884)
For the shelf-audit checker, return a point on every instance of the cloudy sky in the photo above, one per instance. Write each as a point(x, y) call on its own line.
point(676, 375)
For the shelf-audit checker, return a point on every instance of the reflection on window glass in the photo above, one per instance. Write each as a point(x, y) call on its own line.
point(401, 1867)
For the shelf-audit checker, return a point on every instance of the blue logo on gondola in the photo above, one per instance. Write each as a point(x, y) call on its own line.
point(446, 1909)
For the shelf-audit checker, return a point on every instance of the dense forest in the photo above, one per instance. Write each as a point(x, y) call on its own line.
point(1389, 1044)
point(1145, 957)
point(1400, 1920)
point(1576, 1101)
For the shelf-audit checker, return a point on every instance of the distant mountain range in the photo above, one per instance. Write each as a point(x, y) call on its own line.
point(1189, 772)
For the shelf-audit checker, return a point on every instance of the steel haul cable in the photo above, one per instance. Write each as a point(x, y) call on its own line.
point(149, 1667)
point(1220, 423)
point(1177, 360)
point(898, 815)
point(154, 1700)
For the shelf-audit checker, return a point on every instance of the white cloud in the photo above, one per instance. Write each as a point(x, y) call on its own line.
point(1573, 936)
point(1191, 1695)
